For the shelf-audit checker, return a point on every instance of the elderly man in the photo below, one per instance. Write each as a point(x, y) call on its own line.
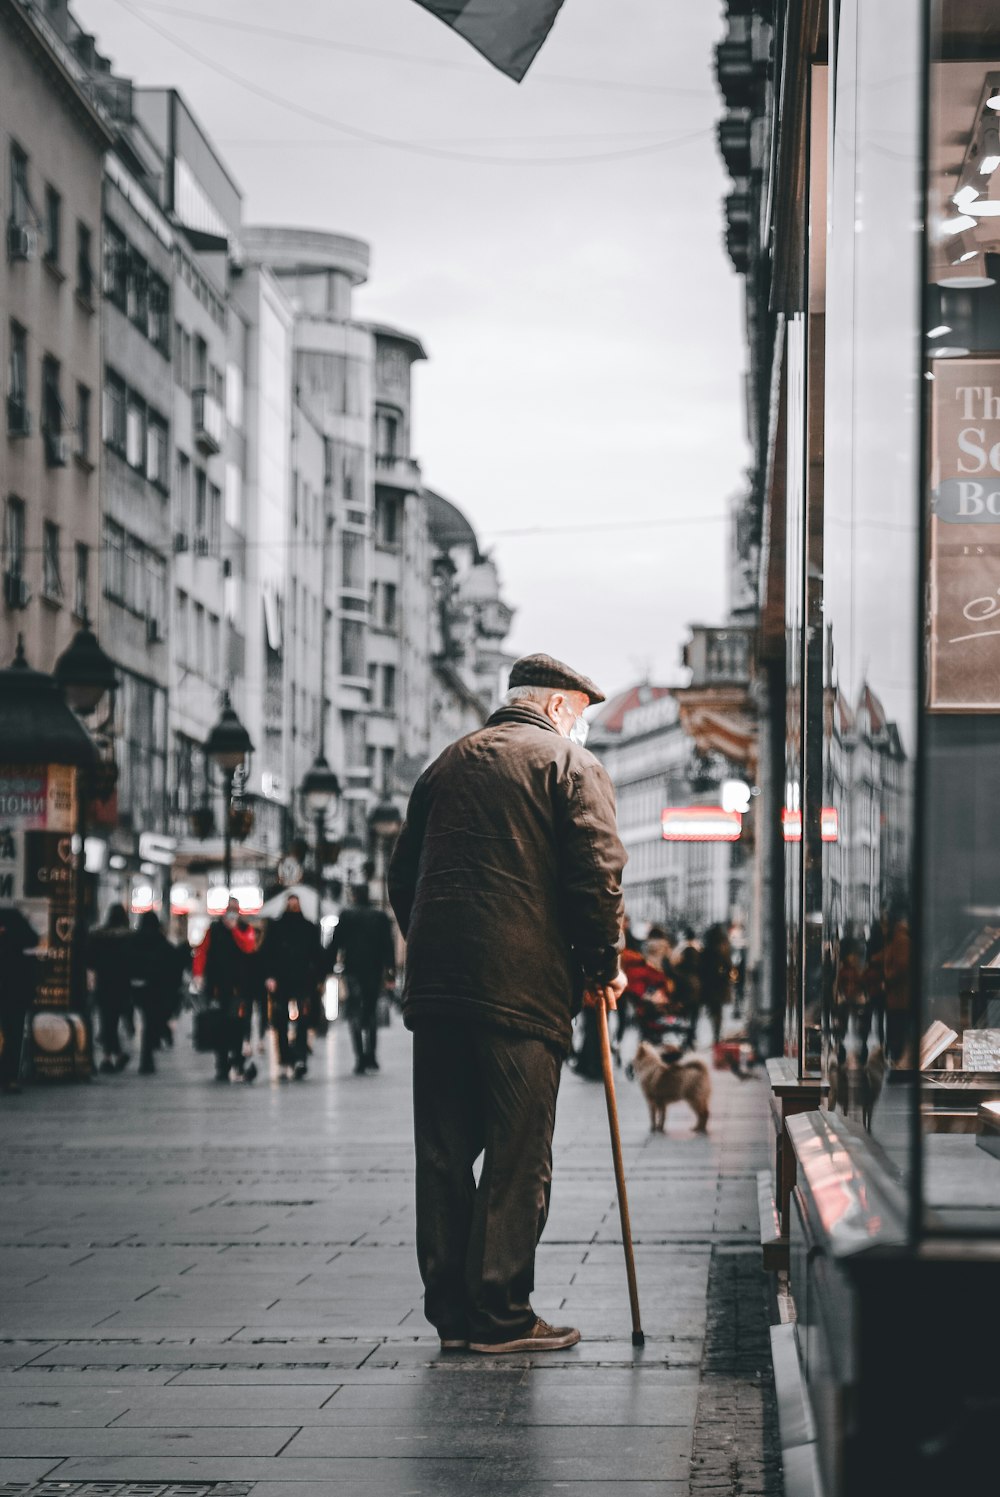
point(506, 881)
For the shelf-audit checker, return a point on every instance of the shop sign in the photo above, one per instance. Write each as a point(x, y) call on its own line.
point(981, 1050)
point(38, 872)
point(964, 594)
point(701, 824)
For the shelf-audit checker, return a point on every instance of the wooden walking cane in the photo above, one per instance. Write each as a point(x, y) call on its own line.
point(638, 1339)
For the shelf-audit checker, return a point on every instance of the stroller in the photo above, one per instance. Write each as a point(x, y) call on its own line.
point(656, 1012)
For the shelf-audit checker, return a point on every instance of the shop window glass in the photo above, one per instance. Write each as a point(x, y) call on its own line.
point(960, 950)
point(868, 634)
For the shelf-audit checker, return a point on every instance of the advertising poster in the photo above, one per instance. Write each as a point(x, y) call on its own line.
point(964, 595)
point(38, 874)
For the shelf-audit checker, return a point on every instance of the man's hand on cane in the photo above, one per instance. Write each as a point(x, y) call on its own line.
point(612, 992)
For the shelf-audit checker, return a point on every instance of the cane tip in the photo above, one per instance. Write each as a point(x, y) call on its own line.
point(638, 1339)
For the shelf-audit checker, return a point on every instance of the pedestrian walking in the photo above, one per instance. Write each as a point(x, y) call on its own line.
point(223, 955)
point(716, 976)
point(157, 970)
point(506, 882)
point(362, 940)
point(18, 972)
point(292, 957)
point(111, 957)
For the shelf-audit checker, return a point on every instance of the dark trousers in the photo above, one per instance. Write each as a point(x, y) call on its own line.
point(481, 1091)
point(231, 1058)
point(12, 1027)
point(362, 1015)
point(109, 1013)
point(291, 1051)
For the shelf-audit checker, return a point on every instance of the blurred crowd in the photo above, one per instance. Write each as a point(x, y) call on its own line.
point(246, 979)
point(672, 980)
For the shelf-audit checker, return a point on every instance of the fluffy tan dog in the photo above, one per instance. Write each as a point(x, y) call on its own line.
point(682, 1081)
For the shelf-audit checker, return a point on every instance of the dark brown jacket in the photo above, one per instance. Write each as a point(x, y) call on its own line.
point(506, 879)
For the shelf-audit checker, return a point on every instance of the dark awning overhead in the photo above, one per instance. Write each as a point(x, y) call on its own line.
point(508, 33)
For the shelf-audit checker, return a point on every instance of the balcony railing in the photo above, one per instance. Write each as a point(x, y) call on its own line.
point(401, 472)
point(208, 420)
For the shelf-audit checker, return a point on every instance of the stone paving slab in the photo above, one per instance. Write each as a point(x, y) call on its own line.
point(191, 1300)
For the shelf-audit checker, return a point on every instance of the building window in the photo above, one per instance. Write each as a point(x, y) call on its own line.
point(114, 561)
point(182, 499)
point(52, 586)
point(53, 225)
point(214, 648)
point(115, 276)
point(84, 264)
point(113, 416)
point(353, 561)
point(198, 640)
point(156, 594)
point(234, 497)
point(20, 198)
point(352, 648)
point(388, 688)
point(81, 582)
point(199, 373)
point(386, 435)
point(182, 628)
point(387, 519)
point(52, 412)
point(137, 290)
point(13, 537)
point(201, 509)
point(83, 423)
point(389, 608)
point(234, 396)
point(214, 519)
point(158, 313)
point(157, 462)
point(135, 434)
point(17, 379)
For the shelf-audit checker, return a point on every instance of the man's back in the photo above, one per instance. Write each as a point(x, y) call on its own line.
point(505, 878)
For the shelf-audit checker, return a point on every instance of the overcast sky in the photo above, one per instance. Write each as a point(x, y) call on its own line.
point(582, 320)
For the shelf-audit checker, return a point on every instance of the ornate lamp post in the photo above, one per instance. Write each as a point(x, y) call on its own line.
point(228, 746)
point(320, 791)
point(85, 672)
point(384, 825)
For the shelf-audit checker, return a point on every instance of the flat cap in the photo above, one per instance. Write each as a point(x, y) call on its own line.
point(542, 670)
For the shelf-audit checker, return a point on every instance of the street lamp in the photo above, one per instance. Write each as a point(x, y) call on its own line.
point(228, 746)
point(320, 791)
point(84, 671)
point(384, 825)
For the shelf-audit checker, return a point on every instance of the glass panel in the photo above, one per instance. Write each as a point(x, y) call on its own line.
point(961, 949)
point(870, 535)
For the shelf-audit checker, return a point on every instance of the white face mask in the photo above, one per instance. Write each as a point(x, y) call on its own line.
point(579, 732)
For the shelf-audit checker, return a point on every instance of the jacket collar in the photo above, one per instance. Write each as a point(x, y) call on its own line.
point(522, 712)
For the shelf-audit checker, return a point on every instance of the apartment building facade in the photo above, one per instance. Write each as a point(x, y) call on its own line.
point(52, 141)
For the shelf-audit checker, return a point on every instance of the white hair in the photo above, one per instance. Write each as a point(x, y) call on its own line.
point(528, 694)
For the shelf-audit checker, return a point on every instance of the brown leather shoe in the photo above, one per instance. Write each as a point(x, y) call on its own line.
point(541, 1337)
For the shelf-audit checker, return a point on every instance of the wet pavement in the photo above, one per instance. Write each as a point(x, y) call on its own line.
point(209, 1290)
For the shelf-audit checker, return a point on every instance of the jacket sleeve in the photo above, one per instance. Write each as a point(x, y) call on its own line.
point(591, 861)
point(405, 861)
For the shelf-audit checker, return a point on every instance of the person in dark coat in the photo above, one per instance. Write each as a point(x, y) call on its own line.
point(363, 942)
point(716, 976)
point(506, 882)
point(18, 975)
point(228, 941)
point(111, 956)
point(292, 957)
point(158, 969)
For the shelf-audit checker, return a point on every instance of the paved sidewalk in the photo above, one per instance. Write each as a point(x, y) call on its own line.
point(211, 1290)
